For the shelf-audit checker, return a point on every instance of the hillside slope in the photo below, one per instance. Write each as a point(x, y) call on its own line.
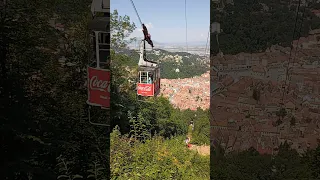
point(173, 64)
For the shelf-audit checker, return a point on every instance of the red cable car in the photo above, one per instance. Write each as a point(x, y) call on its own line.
point(148, 83)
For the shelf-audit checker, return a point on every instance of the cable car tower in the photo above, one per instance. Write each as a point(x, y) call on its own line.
point(148, 81)
point(99, 75)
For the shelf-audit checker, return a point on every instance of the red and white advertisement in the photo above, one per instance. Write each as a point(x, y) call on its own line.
point(99, 87)
point(145, 89)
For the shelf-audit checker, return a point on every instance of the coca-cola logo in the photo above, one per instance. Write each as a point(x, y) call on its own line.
point(100, 85)
point(144, 88)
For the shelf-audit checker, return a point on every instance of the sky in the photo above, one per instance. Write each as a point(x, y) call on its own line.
point(165, 19)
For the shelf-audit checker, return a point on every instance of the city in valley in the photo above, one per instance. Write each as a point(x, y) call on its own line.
point(188, 93)
point(252, 103)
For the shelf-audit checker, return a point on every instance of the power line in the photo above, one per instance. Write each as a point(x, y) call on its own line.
point(291, 49)
point(297, 46)
point(304, 11)
point(185, 16)
point(136, 12)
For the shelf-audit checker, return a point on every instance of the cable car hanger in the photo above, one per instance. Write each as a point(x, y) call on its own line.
point(147, 37)
point(149, 85)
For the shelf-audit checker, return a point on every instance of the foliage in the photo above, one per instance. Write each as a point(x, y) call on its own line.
point(168, 69)
point(45, 110)
point(120, 28)
point(96, 171)
point(281, 113)
point(139, 128)
point(286, 164)
point(157, 158)
point(245, 165)
point(201, 132)
point(63, 166)
point(315, 163)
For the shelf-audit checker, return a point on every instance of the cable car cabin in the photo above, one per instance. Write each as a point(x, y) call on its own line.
point(148, 81)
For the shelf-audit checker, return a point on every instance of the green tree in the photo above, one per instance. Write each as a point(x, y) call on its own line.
point(21, 58)
point(247, 27)
point(123, 91)
point(121, 28)
point(281, 113)
point(288, 164)
point(139, 128)
point(314, 163)
point(48, 94)
point(248, 164)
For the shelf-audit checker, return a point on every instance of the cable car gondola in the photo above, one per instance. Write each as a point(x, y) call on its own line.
point(148, 81)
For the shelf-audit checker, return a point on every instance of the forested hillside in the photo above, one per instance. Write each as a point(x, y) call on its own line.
point(171, 61)
point(253, 26)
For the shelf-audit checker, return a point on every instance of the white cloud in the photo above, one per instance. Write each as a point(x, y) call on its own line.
point(149, 25)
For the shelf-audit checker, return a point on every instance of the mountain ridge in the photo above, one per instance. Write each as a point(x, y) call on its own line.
point(158, 43)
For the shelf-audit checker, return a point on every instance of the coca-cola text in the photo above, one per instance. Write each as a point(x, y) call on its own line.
point(100, 85)
point(144, 88)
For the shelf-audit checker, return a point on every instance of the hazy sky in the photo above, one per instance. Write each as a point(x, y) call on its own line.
point(165, 19)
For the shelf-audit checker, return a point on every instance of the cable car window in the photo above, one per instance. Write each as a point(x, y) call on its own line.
point(104, 41)
point(104, 38)
point(143, 77)
point(150, 78)
point(104, 56)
